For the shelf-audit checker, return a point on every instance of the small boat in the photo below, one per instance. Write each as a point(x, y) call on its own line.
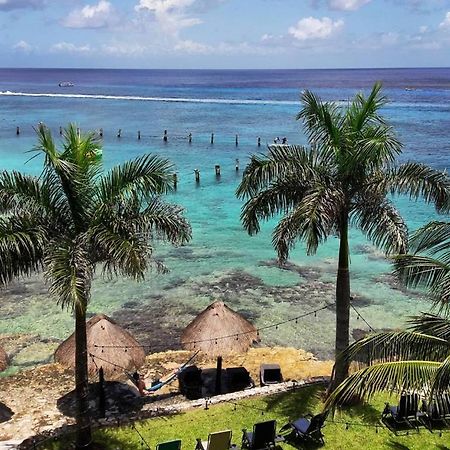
point(65, 84)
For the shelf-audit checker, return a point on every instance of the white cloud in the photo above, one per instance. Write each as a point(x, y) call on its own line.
point(445, 24)
point(68, 47)
point(423, 29)
point(311, 28)
point(188, 46)
point(23, 46)
point(347, 5)
point(100, 15)
point(171, 15)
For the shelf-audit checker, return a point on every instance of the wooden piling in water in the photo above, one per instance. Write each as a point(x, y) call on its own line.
point(197, 175)
point(60, 130)
point(212, 138)
point(259, 141)
point(190, 138)
point(237, 140)
point(101, 132)
point(119, 133)
point(165, 137)
point(237, 164)
point(17, 131)
point(217, 169)
point(175, 181)
point(139, 135)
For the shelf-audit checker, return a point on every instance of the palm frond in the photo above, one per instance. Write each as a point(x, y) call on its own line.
point(147, 175)
point(424, 272)
point(69, 271)
point(398, 376)
point(418, 180)
point(312, 220)
point(322, 121)
point(431, 324)
point(397, 346)
point(380, 221)
point(22, 244)
point(279, 197)
point(441, 379)
point(432, 239)
point(281, 161)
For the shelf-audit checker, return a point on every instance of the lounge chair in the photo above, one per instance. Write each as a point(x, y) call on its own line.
point(405, 414)
point(220, 440)
point(263, 436)
point(169, 445)
point(270, 374)
point(437, 413)
point(307, 428)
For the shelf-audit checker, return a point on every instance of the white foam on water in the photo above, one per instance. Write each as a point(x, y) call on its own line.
point(151, 99)
point(224, 101)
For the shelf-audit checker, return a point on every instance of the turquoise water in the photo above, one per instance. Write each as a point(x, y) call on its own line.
point(222, 261)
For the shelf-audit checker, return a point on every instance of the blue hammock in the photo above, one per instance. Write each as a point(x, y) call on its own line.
point(159, 384)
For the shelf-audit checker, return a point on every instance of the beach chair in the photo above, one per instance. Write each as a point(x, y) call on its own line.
point(263, 436)
point(406, 414)
point(307, 428)
point(220, 440)
point(169, 445)
point(437, 413)
point(270, 374)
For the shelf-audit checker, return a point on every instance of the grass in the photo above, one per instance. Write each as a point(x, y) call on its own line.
point(285, 407)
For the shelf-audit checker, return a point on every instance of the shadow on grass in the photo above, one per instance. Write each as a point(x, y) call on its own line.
point(397, 446)
point(297, 403)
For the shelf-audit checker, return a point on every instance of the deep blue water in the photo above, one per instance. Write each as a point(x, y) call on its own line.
point(222, 261)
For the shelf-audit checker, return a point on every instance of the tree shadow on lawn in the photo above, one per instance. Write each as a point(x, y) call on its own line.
point(295, 403)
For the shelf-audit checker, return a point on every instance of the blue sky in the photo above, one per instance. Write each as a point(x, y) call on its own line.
point(224, 33)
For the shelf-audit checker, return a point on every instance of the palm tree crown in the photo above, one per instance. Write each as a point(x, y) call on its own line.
point(343, 180)
point(72, 218)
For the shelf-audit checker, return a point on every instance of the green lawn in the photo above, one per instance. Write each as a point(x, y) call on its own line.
point(285, 407)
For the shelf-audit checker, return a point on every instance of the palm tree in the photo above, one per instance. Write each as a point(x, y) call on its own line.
point(418, 358)
point(343, 180)
point(71, 218)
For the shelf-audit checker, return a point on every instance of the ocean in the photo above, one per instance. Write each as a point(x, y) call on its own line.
point(222, 261)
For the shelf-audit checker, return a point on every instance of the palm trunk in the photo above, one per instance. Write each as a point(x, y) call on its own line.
point(83, 437)
point(342, 304)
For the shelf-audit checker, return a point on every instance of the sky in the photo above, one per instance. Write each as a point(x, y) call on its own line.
point(225, 33)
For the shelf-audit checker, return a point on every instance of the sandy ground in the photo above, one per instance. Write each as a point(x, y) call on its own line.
point(32, 395)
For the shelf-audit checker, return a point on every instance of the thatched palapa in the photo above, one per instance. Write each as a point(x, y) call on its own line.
point(103, 331)
point(3, 359)
point(216, 321)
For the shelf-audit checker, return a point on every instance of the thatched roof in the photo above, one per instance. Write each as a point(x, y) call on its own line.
point(3, 359)
point(215, 321)
point(103, 331)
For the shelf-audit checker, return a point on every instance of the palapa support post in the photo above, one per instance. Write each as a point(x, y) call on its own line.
point(259, 141)
point(190, 138)
point(139, 135)
point(237, 164)
point(101, 392)
point(17, 131)
point(119, 133)
point(165, 137)
point(197, 175)
point(237, 140)
point(217, 169)
point(212, 138)
point(218, 387)
point(101, 132)
point(175, 180)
